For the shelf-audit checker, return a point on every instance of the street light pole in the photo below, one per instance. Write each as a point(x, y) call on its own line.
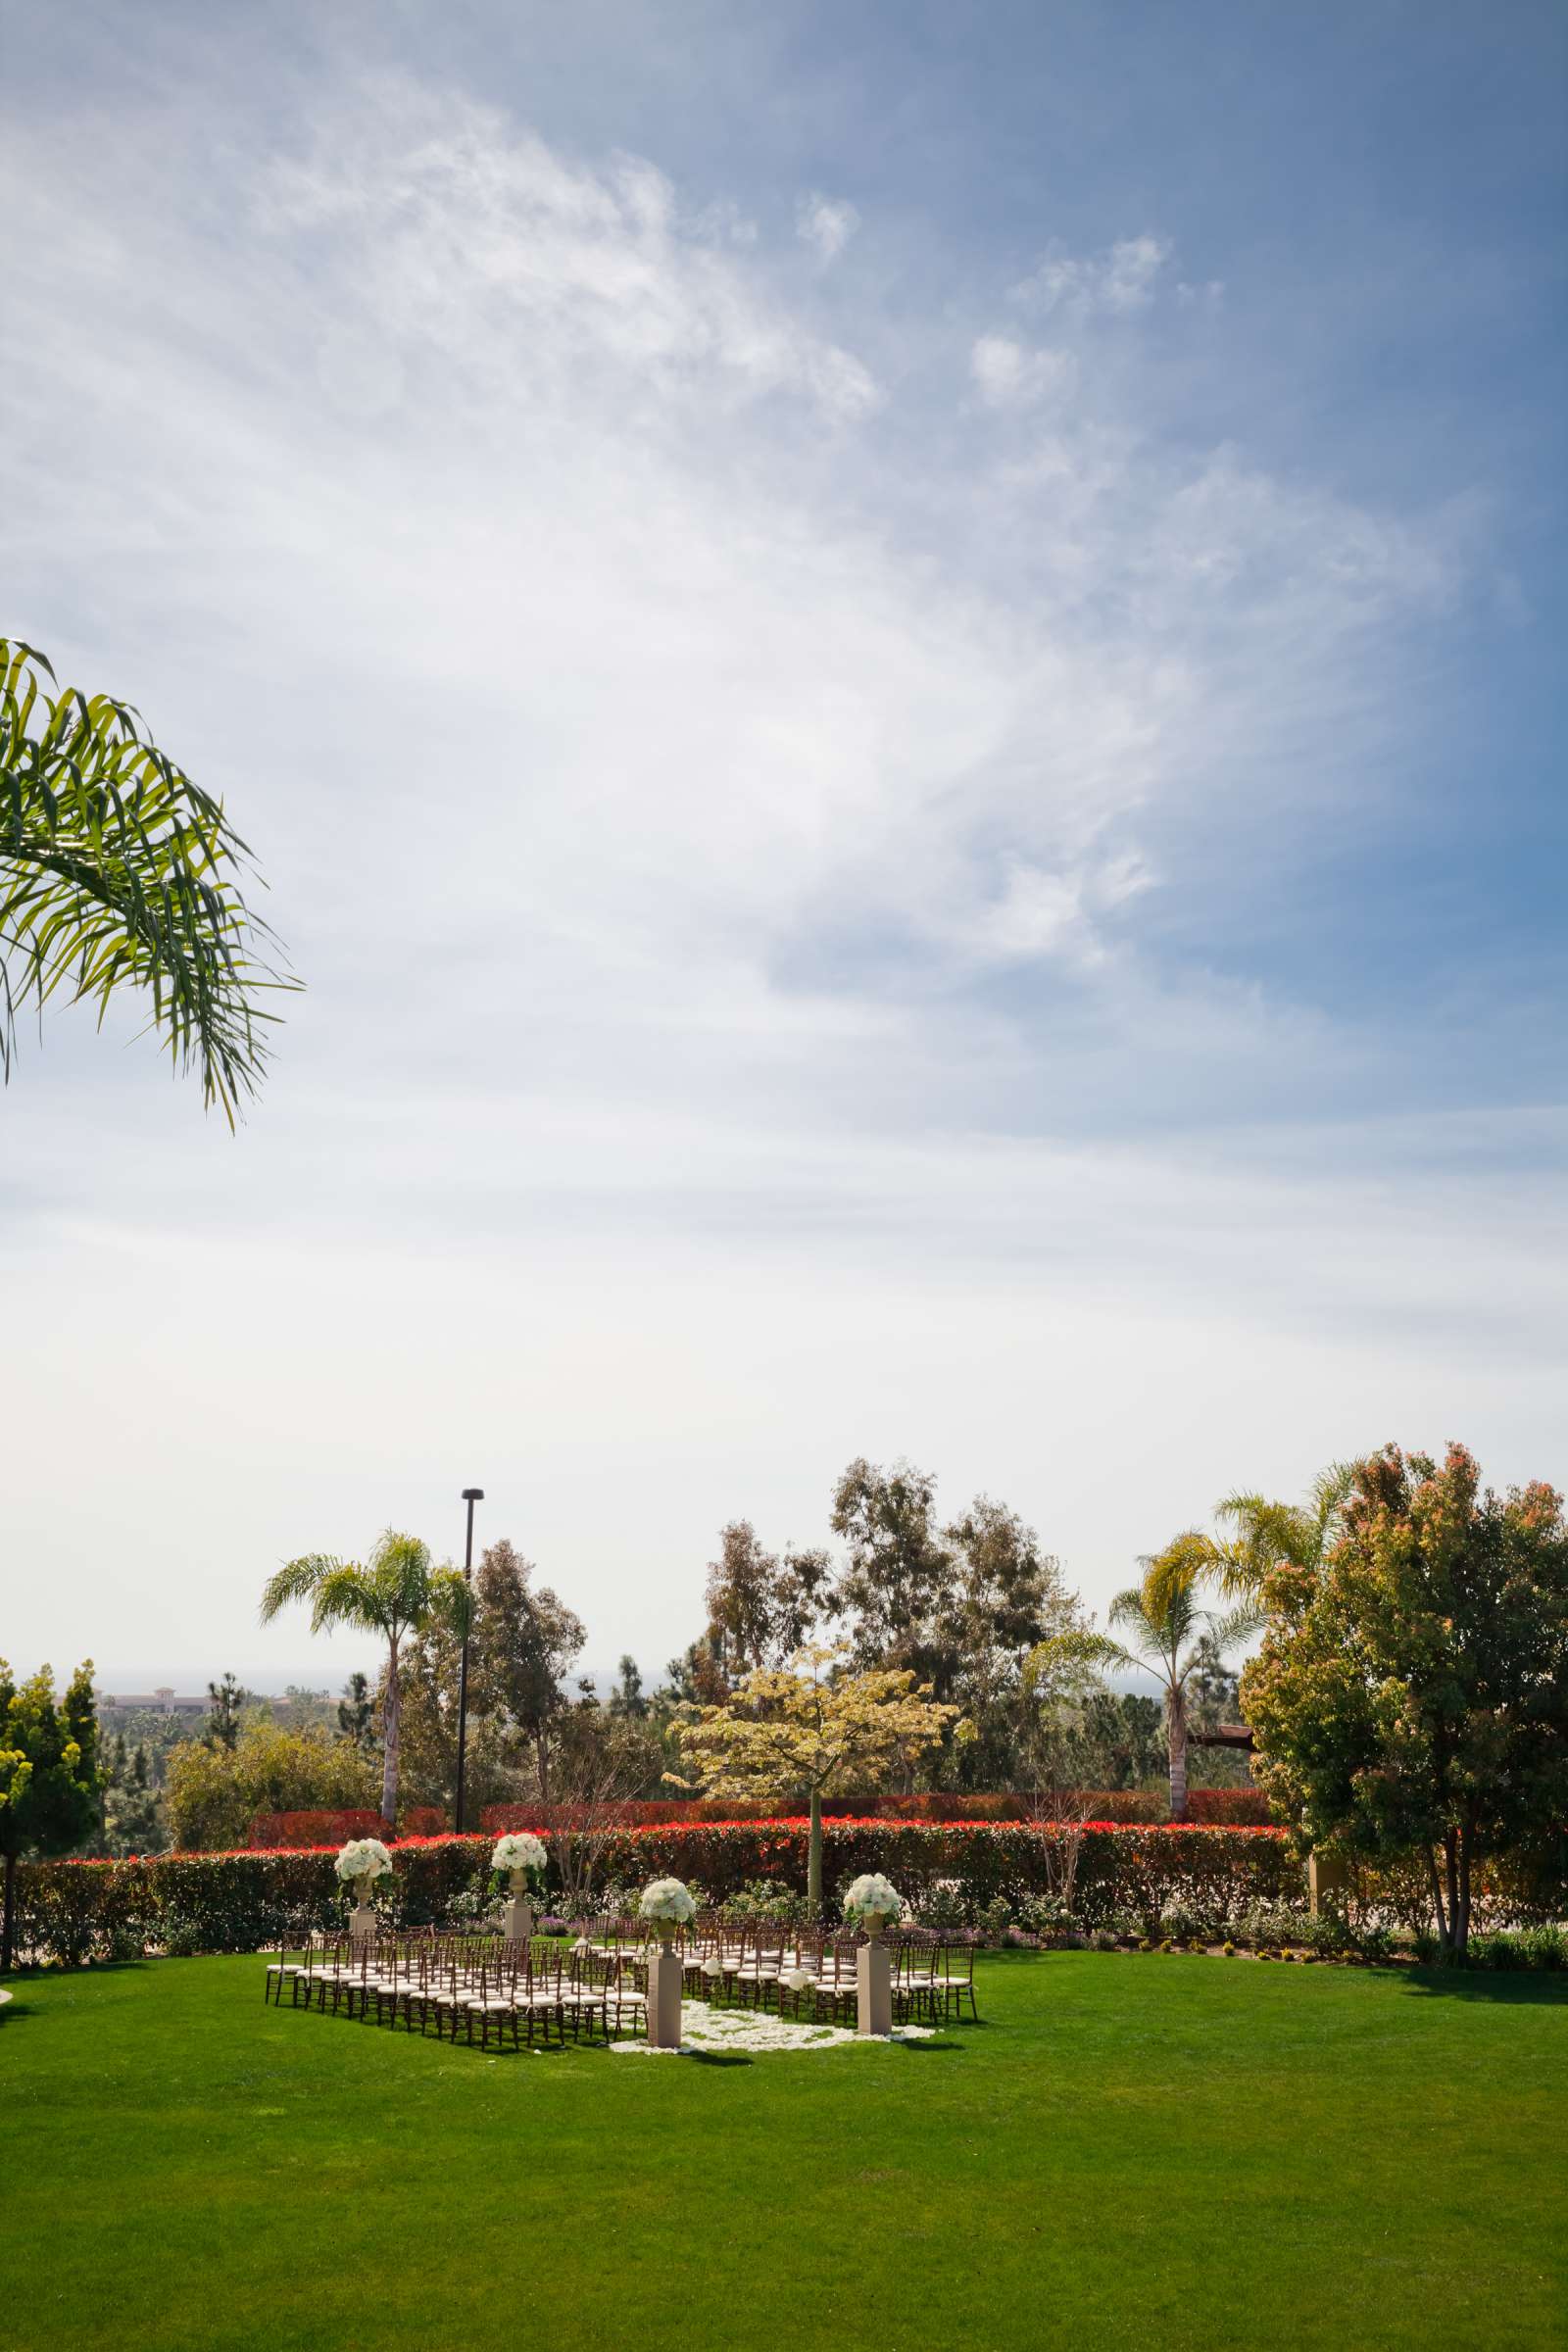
point(470, 1496)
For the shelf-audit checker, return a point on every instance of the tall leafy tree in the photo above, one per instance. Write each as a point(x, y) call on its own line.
point(226, 1702)
point(396, 1593)
point(49, 1776)
point(812, 1729)
point(214, 1793)
point(356, 1712)
point(1410, 1696)
point(762, 1605)
point(1171, 1638)
point(119, 875)
point(897, 1585)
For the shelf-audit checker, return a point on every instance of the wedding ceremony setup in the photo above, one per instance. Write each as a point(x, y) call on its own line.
point(669, 1977)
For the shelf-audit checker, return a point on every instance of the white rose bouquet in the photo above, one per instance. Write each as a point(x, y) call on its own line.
point(668, 1902)
point(873, 1898)
point(361, 1863)
point(519, 1850)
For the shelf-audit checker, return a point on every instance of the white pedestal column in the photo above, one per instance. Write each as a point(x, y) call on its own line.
point(363, 1923)
point(516, 1921)
point(666, 1970)
point(873, 1985)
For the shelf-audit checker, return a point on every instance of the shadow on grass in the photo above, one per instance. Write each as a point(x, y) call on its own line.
point(919, 2048)
point(1518, 1987)
point(721, 2058)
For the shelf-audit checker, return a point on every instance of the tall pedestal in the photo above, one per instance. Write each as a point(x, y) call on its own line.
point(363, 1924)
point(517, 1920)
point(873, 1983)
point(1327, 1877)
point(666, 1969)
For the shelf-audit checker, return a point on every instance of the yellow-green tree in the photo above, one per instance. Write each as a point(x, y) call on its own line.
point(809, 1730)
point(214, 1793)
point(49, 1775)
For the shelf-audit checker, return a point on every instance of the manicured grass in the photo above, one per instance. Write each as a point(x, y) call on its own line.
point(1130, 2150)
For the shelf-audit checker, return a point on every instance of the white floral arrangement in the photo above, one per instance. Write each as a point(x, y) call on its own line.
point(712, 1966)
point(796, 1980)
point(873, 1898)
point(669, 1901)
point(363, 1859)
point(519, 1850)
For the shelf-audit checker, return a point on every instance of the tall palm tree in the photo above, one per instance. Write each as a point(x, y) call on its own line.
point(1261, 1536)
point(1172, 1639)
point(118, 874)
point(396, 1593)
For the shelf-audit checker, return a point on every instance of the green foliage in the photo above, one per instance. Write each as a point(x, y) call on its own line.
point(117, 872)
point(49, 1776)
point(1411, 1695)
point(397, 1593)
point(214, 1793)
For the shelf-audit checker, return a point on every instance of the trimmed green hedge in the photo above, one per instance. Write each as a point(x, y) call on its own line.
point(74, 1911)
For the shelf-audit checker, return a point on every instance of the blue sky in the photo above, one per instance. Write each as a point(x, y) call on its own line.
point(896, 671)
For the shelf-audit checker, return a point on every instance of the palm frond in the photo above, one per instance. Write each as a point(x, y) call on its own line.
point(117, 872)
point(296, 1580)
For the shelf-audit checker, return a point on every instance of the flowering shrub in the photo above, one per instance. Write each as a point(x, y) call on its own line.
point(330, 1829)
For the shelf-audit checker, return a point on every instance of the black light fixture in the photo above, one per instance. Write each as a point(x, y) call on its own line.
point(470, 1496)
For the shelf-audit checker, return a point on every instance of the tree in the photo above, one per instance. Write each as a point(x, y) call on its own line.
point(1259, 1536)
point(356, 1712)
point(899, 1580)
point(118, 874)
point(1006, 1598)
point(226, 1702)
point(525, 1644)
point(762, 1607)
point(1173, 1639)
point(214, 1793)
point(1410, 1697)
point(134, 1821)
point(809, 1728)
point(396, 1593)
point(49, 1775)
point(628, 1697)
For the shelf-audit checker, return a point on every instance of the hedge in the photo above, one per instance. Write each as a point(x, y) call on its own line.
point(1230, 1805)
point(294, 1829)
point(74, 1911)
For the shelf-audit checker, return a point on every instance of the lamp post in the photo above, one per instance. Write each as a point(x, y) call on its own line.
point(470, 1496)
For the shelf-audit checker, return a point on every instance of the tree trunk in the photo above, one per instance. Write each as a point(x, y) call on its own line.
point(1176, 1723)
point(389, 1764)
point(1451, 1850)
point(1461, 1940)
point(814, 1856)
point(1437, 1898)
point(8, 1915)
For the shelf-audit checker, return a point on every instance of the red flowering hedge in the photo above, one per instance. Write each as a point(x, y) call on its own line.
point(1230, 1805)
point(74, 1911)
point(336, 1829)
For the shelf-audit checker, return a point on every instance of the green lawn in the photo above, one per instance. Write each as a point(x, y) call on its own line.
point(1129, 2150)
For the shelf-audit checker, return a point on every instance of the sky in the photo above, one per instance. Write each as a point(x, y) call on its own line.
point(896, 674)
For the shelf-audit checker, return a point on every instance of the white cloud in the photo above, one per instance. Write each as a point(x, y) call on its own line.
point(1008, 377)
point(824, 225)
point(1119, 282)
point(727, 840)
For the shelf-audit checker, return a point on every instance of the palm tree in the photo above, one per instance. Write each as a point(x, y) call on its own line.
point(395, 1594)
point(1263, 1536)
point(1172, 1639)
point(117, 872)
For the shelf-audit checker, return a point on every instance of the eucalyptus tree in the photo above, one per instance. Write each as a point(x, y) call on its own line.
point(119, 875)
point(397, 1594)
point(1171, 1638)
